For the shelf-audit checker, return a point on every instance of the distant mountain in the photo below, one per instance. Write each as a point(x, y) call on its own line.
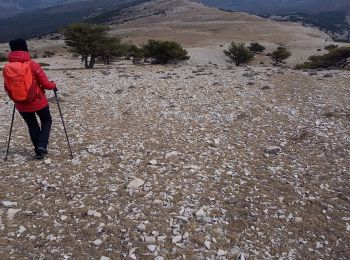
point(37, 22)
point(281, 6)
point(12, 7)
point(331, 16)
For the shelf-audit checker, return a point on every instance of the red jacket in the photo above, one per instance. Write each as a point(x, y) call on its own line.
point(39, 78)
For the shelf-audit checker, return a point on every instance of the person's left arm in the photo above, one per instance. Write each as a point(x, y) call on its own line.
point(42, 79)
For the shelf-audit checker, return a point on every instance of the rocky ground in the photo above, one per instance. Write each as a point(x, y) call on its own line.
point(183, 162)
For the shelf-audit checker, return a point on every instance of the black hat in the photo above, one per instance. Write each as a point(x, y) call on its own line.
point(18, 45)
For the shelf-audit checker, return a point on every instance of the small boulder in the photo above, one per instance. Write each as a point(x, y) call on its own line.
point(136, 183)
point(328, 75)
point(273, 150)
point(97, 242)
point(200, 214)
point(9, 204)
point(48, 161)
point(153, 162)
point(152, 248)
point(298, 219)
point(176, 239)
point(12, 212)
point(265, 87)
point(141, 227)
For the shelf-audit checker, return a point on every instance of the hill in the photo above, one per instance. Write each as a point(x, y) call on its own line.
point(47, 20)
point(281, 6)
point(335, 23)
point(329, 16)
point(198, 26)
point(12, 7)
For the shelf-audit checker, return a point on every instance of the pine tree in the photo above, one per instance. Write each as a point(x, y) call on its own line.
point(85, 40)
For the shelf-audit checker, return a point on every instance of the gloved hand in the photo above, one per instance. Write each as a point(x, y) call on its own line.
point(55, 89)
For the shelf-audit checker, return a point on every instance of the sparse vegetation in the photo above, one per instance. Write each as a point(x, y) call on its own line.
point(238, 53)
point(48, 54)
point(331, 47)
point(256, 47)
point(162, 52)
point(280, 55)
point(335, 58)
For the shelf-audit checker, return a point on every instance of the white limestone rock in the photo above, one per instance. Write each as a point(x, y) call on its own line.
point(12, 212)
point(135, 183)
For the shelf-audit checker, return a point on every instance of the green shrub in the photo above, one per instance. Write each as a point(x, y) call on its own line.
point(256, 47)
point(111, 48)
point(162, 52)
point(42, 64)
point(331, 47)
point(280, 54)
point(238, 53)
point(136, 53)
point(304, 66)
point(334, 58)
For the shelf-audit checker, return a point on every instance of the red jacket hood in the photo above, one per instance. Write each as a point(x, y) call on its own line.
point(18, 56)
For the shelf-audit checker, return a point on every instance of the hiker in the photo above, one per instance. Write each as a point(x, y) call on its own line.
point(25, 82)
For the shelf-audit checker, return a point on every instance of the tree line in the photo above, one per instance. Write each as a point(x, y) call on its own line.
point(91, 41)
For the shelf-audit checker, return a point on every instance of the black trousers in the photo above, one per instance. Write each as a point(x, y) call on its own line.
point(39, 135)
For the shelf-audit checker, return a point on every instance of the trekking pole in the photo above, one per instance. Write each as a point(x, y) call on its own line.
point(8, 144)
point(64, 126)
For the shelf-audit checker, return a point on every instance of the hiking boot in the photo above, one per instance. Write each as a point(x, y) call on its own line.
point(39, 156)
point(41, 150)
point(40, 153)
